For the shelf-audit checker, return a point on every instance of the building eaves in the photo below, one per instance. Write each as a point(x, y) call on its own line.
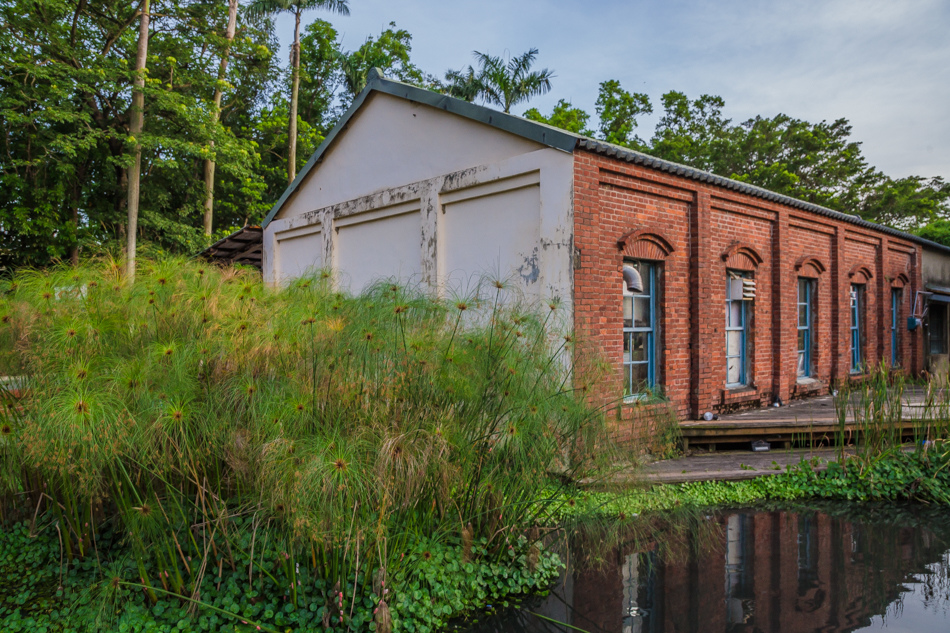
point(565, 141)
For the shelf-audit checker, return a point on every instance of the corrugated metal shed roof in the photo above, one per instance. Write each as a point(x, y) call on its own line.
point(244, 246)
point(566, 141)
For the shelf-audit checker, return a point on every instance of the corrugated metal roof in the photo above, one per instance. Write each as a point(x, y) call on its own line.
point(244, 246)
point(566, 141)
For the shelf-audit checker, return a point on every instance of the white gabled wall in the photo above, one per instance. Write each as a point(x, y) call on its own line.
point(440, 201)
point(391, 142)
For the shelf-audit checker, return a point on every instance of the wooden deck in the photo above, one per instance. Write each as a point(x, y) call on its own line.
point(806, 422)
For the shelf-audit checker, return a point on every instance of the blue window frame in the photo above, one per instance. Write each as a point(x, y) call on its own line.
point(857, 310)
point(639, 333)
point(736, 331)
point(805, 298)
point(895, 327)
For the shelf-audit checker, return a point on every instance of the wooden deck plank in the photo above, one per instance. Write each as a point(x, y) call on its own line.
point(812, 418)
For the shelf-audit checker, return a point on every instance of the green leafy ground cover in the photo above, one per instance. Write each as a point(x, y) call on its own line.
point(893, 475)
point(41, 593)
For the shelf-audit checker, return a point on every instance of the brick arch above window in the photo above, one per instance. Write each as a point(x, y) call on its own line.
point(899, 280)
point(645, 243)
point(738, 256)
point(808, 266)
point(860, 274)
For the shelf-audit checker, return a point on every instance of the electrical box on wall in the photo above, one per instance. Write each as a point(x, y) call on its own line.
point(913, 323)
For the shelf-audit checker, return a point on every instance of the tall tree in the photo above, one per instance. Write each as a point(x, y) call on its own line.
point(319, 74)
point(564, 116)
point(912, 203)
point(690, 132)
point(137, 120)
point(65, 125)
point(390, 52)
point(506, 83)
point(296, 7)
point(218, 93)
point(462, 84)
point(618, 111)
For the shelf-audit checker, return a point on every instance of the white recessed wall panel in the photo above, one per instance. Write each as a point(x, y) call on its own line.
point(373, 248)
point(491, 235)
point(299, 252)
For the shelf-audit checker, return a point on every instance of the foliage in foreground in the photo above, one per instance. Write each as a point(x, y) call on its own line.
point(38, 594)
point(318, 443)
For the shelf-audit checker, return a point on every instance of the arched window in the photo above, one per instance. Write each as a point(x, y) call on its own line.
point(644, 251)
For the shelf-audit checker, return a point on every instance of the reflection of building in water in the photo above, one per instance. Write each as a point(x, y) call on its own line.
point(632, 617)
point(770, 573)
point(740, 559)
point(639, 593)
point(811, 595)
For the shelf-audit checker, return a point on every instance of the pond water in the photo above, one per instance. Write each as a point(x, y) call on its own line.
point(785, 570)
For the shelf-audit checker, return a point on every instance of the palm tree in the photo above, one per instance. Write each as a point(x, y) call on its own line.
point(297, 7)
point(462, 84)
point(508, 84)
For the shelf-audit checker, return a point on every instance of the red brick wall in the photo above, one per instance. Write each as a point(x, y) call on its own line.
point(699, 231)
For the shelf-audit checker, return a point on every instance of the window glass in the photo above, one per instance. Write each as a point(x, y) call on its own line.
point(857, 327)
point(805, 323)
point(895, 327)
point(639, 331)
point(733, 371)
point(733, 343)
point(736, 330)
point(642, 307)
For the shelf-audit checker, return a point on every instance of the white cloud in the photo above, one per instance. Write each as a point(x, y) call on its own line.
point(885, 66)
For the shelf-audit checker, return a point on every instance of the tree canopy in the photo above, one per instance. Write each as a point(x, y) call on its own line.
point(815, 162)
point(221, 97)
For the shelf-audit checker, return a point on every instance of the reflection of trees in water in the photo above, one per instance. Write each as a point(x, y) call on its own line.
point(774, 571)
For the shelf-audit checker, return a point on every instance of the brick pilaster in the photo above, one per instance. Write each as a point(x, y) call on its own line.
point(784, 309)
point(840, 311)
point(703, 333)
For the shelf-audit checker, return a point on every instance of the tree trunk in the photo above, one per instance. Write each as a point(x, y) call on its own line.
point(74, 213)
point(295, 85)
point(222, 73)
point(136, 123)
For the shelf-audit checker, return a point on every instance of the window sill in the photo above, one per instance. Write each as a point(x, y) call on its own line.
point(641, 399)
point(808, 386)
point(740, 394)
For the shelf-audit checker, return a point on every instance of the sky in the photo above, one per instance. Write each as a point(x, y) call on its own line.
point(885, 66)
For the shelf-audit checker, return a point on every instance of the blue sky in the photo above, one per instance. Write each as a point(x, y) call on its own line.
point(885, 66)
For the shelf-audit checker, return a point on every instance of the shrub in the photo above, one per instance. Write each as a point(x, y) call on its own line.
point(209, 419)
